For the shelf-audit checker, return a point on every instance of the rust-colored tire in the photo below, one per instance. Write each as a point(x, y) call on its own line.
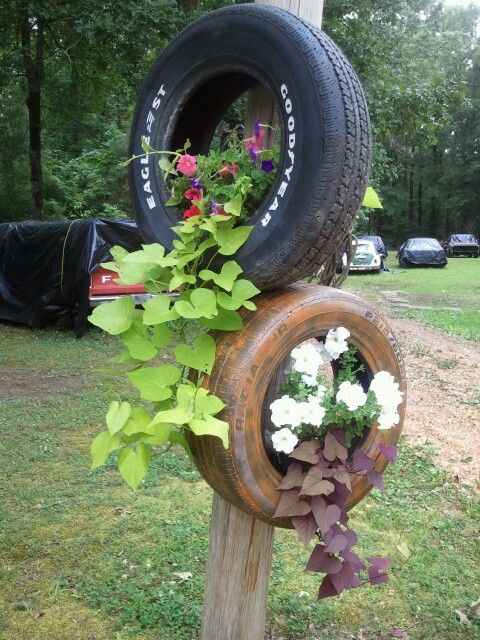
point(245, 366)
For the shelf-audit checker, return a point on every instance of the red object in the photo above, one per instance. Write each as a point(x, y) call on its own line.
point(102, 283)
point(192, 212)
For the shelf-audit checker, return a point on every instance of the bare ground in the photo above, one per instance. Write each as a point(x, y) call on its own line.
point(443, 407)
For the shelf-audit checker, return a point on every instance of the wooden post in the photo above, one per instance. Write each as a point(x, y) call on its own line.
point(240, 548)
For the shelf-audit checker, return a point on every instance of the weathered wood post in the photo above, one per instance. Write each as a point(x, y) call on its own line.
point(240, 548)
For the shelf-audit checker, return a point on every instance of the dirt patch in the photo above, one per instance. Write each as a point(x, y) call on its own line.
point(15, 383)
point(443, 408)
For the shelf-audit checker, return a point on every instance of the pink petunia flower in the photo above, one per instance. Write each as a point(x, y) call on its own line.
point(193, 194)
point(228, 169)
point(187, 165)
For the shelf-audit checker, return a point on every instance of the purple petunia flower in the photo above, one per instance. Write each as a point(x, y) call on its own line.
point(267, 166)
point(214, 206)
point(257, 129)
point(196, 184)
point(253, 154)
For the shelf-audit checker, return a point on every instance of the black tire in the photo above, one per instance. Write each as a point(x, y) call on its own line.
point(245, 368)
point(201, 73)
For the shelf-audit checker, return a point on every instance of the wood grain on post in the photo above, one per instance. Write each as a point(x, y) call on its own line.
point(240, 548)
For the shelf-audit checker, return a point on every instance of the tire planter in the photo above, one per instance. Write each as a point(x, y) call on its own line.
point(324, 122)
point(245, 371)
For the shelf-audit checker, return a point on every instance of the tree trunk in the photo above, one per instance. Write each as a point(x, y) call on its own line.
point(32, 54)
point(188, 5)
point(420, 203)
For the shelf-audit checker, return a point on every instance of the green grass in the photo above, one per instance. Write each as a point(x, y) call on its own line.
point(452, 294)
point(83, 557)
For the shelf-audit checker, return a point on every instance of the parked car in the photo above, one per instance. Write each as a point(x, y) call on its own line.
point(103, 288)
point(462, 244)
point(365, 258)
point(378, 244)
point(424, 252)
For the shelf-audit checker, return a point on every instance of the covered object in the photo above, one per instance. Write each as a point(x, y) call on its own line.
point(422, 251)
point(45, 268)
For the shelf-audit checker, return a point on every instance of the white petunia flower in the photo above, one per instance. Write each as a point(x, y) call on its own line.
point(310, 381)
point(352, 395)
point(312, 412)
point(284, 440)
point(307, 359)
point(387, 419)
point(336, 342)
point(387, 391)
point(285, 411)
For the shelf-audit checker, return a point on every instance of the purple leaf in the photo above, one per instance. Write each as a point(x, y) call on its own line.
point(376, 479)
point(336, 544)
point(354, 560)
point(305, 526)
point(307, 451)
point(344, 579)
point(398, 633)
point(339, 495)
point(361, 462)
point(351, 537)
point(325, 516)
point(332, 448)
point(334, 530)
point(293, 478)
point(290, 505)
point(389, 453)
point(327, 590)
point(315, 485)
point(320, 561)
point(355, 582)
point(376, 577)
point(338, 434)
point(379, 563)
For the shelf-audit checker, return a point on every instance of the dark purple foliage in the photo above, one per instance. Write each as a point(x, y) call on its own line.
point(361, 462)
point(389, 453)
point(315, 509)
point(376, 479)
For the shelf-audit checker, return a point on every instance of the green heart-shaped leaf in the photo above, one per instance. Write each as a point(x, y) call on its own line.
point(157, 311)
point(241, 292)
point(224, 321)
point(161, 336)
point(230, 240)
point(227, 276)
point(117, 415)
point(211, 426)
point(179, 415)
point(201, 357)
point(234, 206)
point(133, 465)
point(203, 304)
point(138, 344)
point(154, 382)
point(138, 421)
point(102, 447)
point(180, 277)
point(114, 317)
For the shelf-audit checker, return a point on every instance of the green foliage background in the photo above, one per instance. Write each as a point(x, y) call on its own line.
point(419, 63)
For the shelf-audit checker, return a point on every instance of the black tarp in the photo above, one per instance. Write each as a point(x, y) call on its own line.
point(427, 251)
point(45, 268)
point(377, 243)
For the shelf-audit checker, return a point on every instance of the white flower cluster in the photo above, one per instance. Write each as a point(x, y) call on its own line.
point(389, 397)
point(289, 415)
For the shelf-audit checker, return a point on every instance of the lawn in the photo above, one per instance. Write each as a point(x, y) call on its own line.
point(83, 557)
point(448, 299)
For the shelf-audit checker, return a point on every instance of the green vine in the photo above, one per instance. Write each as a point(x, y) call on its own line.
point(195, 288)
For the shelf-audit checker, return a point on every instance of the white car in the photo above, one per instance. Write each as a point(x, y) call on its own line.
point(365, 257)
